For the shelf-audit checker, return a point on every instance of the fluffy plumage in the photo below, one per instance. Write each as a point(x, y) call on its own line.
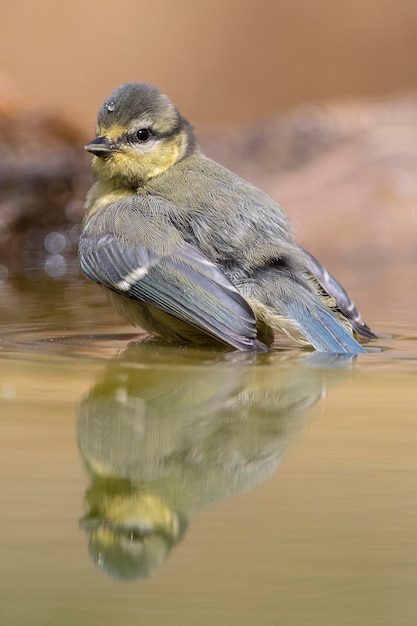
point(192, 251)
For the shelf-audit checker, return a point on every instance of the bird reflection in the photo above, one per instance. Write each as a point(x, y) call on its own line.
point(166, 433)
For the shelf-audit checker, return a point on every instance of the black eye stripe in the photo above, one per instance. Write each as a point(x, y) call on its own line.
point(132, 137)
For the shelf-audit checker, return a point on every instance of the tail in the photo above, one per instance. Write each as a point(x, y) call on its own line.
point(335, 290)
point(322, 329)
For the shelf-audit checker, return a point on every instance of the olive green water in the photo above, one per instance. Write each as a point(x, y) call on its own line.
point(146, 484)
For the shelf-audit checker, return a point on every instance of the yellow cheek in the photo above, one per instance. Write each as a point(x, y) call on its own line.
point(160, 159)
point(117, 166)
point(133, 167)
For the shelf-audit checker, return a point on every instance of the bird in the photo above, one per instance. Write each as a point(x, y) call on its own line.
point(191, 252)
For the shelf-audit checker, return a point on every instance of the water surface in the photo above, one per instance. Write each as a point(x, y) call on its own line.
point(143, 483)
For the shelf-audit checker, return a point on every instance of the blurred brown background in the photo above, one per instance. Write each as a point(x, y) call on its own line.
point(222, 61)
point(314, 101)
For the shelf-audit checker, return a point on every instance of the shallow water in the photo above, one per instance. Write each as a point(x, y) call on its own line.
point(142, 483)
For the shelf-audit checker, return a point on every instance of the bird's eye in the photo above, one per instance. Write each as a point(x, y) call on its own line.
point(143, 134)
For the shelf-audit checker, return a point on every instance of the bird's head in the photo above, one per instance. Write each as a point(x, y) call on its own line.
point(139, 135)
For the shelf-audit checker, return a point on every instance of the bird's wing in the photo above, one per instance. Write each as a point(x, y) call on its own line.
point(335, 290)
point(154, 265)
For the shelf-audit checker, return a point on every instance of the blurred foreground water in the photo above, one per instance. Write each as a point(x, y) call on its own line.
point(142, 482)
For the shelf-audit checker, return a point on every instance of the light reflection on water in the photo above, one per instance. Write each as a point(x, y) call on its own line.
point(272, 488)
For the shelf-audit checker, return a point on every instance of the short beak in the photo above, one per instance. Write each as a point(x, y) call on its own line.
point(100, 146)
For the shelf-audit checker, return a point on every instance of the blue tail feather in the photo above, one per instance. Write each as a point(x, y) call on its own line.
point(323, 330)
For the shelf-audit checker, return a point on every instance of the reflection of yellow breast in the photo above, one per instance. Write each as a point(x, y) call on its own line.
point(137, 509)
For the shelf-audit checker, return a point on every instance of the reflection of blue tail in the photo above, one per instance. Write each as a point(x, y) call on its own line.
point(323, 330)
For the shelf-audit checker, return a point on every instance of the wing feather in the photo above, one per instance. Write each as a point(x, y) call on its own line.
point(181, 282)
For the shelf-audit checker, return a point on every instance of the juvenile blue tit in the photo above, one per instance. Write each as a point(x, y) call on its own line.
point(190, 251)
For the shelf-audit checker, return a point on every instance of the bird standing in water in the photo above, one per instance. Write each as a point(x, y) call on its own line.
point(190, 251)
